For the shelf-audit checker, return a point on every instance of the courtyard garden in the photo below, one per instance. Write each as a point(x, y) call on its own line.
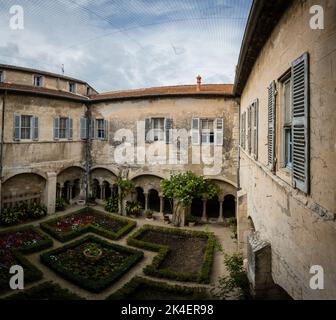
point(93, 254)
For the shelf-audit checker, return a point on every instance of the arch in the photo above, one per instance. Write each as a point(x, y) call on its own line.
point(107, 170)
point(197, 207)
point(229, 206)
point(69, 167)
point(140, 197)
point(212, 207)
point(153, 200)
point(145, 173)
point(38, 172)
point(168, 205)
point(95, 187)
point(251, 224)
point(148, 182)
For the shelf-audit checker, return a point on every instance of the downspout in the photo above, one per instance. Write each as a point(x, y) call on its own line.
point(238, 153)
point(88, 146)
point(2, 141)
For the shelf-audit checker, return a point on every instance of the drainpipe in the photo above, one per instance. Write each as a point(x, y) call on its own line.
point(88, 159)
point(2, 142)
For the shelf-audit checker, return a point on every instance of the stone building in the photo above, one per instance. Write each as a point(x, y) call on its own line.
point(286, 83)
point(267, 141)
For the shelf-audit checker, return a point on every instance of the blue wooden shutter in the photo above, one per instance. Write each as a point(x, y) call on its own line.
point(148, 127)
point(35, 128)
point(70, 128)
point(105, 129)
point(93, 129)
point(83, 128)
point(255, 128)
point(271, 125)
point(300, 123)
point(56, 128)
point(168, 126)
point(249, 129)
point(17, 127)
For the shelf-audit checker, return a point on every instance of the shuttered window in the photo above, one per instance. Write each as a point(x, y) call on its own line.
point(249, 129)
point(26, 127)
point(63, 128)
point(219, 129)
point(300, 122)
point(195, 131)
point(83, 128)
point(255, 128)
point(168, 125)
point(35, 128)
point(271, 125)
point(101, 125)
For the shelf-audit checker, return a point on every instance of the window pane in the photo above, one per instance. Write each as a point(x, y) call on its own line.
point(25, 127)
point(288, 147)
point(62, 129)
point(287, 102)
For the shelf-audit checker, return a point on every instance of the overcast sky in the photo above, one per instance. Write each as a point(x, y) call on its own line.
point(127, 44)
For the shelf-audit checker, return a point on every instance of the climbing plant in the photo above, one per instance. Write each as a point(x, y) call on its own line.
point(125, 188)
point(183, 188)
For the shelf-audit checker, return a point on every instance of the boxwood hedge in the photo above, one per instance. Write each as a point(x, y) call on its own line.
point(66, 236)
point(154, 269)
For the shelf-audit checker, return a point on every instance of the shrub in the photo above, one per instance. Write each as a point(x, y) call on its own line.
point(233, 223)
point(133, 208)
point(60, 204)
point(149, 214)
point(37, 211)
point(191, 218)
point(9, 216)
point(112, 205)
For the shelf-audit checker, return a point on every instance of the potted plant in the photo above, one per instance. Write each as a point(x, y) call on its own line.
point(133, 208)
point(149, 215)
point(93, 252)
point(60, 204)
point(191, 220)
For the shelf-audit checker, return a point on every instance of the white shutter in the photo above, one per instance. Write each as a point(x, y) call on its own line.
point(255, 128)
point(148, 127)
point(17, 127)
point(168, 126)
point(300, 123)
point(219, 131)
point(35, 128)
point(105, 129)
point(83, 128)
point(195, 131)
point(56, 128)
point(271, 125)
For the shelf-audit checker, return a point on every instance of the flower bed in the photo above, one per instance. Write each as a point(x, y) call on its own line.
point(144, 289)
point(45, 291)
point(94, 275)
point(182, 255)
point(88, 220)
point(13, 244)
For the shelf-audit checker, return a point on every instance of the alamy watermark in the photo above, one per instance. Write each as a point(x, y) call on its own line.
point(16, 282)
point(16, 21)
point(317, 20)
point(317, 280)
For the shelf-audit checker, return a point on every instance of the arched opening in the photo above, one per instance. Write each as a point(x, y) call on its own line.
point(95, 189)
point(114, 190)
point(197, 207)
point(229, 206)
point(76, 189)
point(153, 200)
point(107, 190)
point(251, 224)
point(140, 197)
point(212, 207)
point(168, 205)
point(23, 188)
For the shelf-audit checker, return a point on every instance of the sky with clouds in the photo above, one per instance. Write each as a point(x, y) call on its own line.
point(127, 44)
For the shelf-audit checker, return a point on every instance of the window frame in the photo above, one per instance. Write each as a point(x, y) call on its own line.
point(2, 76)
point(207, 131)
point(72, 83)
point(36, 76)
point(66, 121)
point(29, 128)
point(100, 130)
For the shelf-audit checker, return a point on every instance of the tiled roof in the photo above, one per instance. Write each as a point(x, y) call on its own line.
point(206, 89)
point(41, 91)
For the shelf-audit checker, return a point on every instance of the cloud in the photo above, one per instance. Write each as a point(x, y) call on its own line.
point(116, 45)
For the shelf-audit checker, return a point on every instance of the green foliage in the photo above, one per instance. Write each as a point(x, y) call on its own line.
point(112, 205)
point(149, 214)
point(154, 269)
point(133, 208)
point(236, 281)
point(139, 285)
point(60, 204)
point(233, 223)
point(125, 187)
point(22, 213)
point(191, 218)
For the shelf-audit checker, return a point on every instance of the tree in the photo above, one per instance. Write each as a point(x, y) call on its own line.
point(125, 188)
point(183, 188)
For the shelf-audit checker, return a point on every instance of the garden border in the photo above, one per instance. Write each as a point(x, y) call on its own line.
point(199, 293)
point(90, 285)
point(64, 237)
point(153, 269)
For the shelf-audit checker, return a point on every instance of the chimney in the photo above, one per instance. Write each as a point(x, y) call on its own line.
point(199, 82)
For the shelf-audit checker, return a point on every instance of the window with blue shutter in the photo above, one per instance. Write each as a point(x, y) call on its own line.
point(249, 129)
point(56, 128)
point(70, 129)
point(255, 128)
point(271, 125)
point(35, 128)
point(83, 128)
point(300, 123)
point(17, 127)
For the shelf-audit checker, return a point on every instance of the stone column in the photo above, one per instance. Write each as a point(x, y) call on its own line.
point(101, 191)
point(70, 186)
point(221, 218)
point(204, 214)
point(161, 204)
point(146, 200)
point(50, 192)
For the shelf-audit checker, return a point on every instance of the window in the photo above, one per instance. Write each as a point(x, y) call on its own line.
point(158, 129)
point(38, 81)
point(2, 76)
point(287, 124)
point(101, 129)
point(63, 128)
point(207, 131)
point(72, 87)
point(26, 127)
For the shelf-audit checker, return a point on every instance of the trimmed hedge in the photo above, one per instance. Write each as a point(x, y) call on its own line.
point(202, 277)
point(32, 273)
point(93, 285)
point(45, 291)
point(138, 283)
point(66, 236)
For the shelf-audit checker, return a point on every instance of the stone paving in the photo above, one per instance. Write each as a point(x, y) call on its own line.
point(223, 234)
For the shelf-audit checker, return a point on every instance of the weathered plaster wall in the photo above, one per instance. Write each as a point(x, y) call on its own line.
point(285, 217)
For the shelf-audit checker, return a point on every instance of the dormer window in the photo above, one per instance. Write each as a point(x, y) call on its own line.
point(38, 81)
point(72, 87)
